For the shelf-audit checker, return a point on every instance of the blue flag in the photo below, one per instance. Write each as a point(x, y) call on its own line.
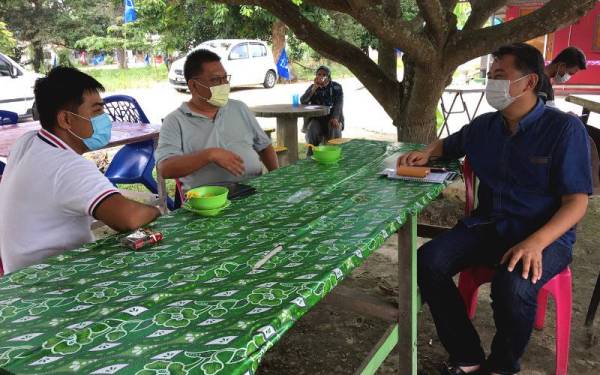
point(129, 13)
point(282, 65)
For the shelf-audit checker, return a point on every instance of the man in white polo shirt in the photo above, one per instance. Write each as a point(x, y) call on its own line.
point(210, 138)
point(49, 193)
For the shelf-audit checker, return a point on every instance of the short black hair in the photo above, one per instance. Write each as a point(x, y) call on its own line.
point(528, 60)
point(61, 89)
point(571, 56)
point(194, 61)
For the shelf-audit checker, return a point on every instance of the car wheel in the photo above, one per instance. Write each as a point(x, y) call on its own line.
point(270, 79)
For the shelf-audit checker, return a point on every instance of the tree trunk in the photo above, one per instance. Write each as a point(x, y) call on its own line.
point(387, 54)
point(423, 88)
point(278, 32)
point(387, 59)
point(38, 55)
point(122, 58)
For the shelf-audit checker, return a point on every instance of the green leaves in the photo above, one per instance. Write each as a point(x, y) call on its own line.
point(7, 40)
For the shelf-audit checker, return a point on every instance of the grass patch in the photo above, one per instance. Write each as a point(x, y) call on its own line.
point(121, 79)
point(142, 189)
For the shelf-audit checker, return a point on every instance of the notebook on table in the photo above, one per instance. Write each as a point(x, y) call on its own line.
point(435, 175)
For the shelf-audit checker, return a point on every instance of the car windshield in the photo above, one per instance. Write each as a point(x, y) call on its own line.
point(220, 46)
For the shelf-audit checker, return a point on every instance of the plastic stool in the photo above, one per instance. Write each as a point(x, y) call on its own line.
point(558, 287)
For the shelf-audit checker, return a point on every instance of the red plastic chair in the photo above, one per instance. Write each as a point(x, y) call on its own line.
point(179, 196)
point(559, 287)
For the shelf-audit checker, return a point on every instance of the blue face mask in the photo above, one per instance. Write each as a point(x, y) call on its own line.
point(102, 126)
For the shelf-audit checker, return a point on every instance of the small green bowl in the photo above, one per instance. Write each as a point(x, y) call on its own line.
point(207, 197)
point(327, 154)
point(207, 213)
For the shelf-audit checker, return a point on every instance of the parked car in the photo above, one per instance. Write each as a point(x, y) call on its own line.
point(16, 87)
point(249, 62)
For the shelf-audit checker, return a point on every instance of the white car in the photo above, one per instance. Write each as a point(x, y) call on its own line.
point(249, 62)
point(16, 87)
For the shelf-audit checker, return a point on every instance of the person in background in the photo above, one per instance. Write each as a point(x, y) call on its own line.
point(211, 138)
point(325, 92)
point(562, 68)
point(569, 62)
point(49, 193)
point(534, 170)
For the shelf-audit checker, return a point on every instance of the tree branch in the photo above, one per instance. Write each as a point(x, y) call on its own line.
point(394, 30)
point(481, 10)
point(384, 89)
point(435, 18)
point(469, 44)
point(334, 5)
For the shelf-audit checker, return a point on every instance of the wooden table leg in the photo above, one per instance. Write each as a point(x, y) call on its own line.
point(287, 135)
point(585, 115)
point(591, 313)
point(407, 296)
point(162, 187)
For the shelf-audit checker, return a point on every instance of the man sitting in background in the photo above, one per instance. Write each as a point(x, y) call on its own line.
point(49, 194)
point(325, 92)
point(564, 66)
point(211, 138)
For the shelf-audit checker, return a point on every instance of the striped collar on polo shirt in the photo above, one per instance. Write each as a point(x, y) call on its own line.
point(52, 139)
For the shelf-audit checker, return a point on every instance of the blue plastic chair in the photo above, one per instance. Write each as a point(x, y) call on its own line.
point(8, 118)
point(133, 163)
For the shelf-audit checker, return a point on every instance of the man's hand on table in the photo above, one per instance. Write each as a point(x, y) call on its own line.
point(530, 253)
point(414, 158)
point(228, 160)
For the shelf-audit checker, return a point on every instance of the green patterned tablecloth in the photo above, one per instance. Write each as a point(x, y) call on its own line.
point(192, 304)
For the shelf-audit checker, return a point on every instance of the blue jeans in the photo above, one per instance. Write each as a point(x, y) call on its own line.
point(514, 299)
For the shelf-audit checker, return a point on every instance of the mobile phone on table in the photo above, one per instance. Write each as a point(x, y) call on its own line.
point(238, 190)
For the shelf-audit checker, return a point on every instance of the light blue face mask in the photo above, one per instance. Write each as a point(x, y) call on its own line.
point(101, 126)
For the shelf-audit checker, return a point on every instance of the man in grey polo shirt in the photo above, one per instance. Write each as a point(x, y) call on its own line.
point(211, 138)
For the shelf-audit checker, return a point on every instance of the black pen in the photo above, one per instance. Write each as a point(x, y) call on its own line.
point(438, 170)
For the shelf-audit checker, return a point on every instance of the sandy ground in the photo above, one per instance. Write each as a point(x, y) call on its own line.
point(365, 118)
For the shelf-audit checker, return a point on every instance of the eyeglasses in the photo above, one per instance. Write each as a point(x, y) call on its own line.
point(219, 80)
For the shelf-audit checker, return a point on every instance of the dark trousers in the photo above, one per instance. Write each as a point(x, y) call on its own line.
point(319, 131)
point(514, 299)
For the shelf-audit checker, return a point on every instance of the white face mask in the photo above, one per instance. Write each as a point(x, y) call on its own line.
point(497, 93)
point(562, 79)
point(219, 95)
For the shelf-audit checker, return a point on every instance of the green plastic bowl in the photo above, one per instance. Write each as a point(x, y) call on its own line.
point(327, 153)
point(207, 197)
point(207, 213)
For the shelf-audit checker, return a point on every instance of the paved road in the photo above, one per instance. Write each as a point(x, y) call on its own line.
point(365, 118)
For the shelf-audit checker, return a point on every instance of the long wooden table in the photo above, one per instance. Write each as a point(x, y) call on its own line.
point(589, 104)
point(122, 133)
point(287, 122)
